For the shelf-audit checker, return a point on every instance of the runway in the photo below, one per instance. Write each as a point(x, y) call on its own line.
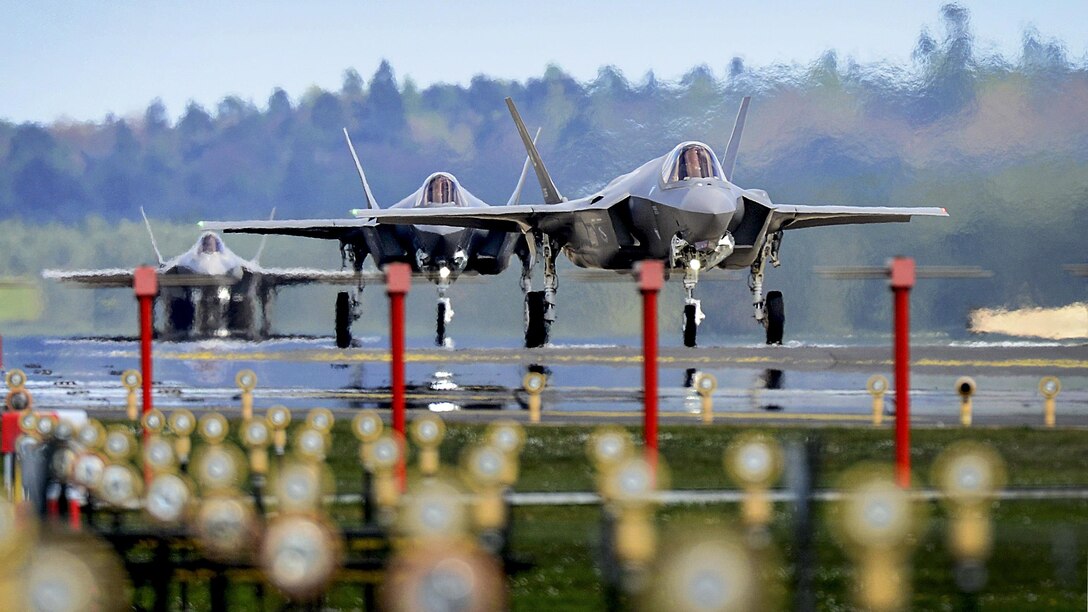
point(795, 384)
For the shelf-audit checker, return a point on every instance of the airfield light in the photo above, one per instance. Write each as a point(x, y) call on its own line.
point(969, 473)
point(213, 428)
point(754, 461)
point(132, 380)
point(1050, 387)
point(631, 485)
point(246, 381)
point(509, 437)
point(18, 399)
point(87, 469)
point(218, 467)
point(65, 430)
point(435, 511)
point(225, 527)
point(92, 434)
point(875, 521)
point(15, 379)
point(45, 426)
point(877, 386)
point(320, 419)
point(312, 444)
point(444, 576)
point(300, 555)
point(182, 423)
point(154, 421)
point(279, 418)
point(119, 444)
point(298, 487)
point(256, 436)
point(367, 425)
point(168, 498)
point(427, 432)
point(159, 455)
point(607, 446)
point(28, 422)
point(382, 456)
point(705, 385)
point(483, 468)
point(70, 572)
point(705, 573)
point(965, 387)
point(63, 460)
point(534, 385)
point(120, 485)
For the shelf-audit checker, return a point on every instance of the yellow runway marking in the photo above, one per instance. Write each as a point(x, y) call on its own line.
point(725, 415)
point(508, 357)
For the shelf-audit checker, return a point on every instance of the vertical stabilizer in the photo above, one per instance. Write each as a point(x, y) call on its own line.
point(150, 233)
point(730, 158)
point(370, 203)
point(264, 239)
point(551, 193)
point(514, 197)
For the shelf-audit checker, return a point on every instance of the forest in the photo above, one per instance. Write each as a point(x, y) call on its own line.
point(1001, 142)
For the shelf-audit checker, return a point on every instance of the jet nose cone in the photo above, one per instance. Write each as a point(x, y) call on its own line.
point(709, 199)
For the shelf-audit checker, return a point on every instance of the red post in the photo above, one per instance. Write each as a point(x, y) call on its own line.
point(145, 283)
point(75, 509)
point(651, 277)
point(902, 280)
point(398, 279)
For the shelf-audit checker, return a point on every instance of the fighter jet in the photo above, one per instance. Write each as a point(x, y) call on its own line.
point(208, 291)
point(440, 253)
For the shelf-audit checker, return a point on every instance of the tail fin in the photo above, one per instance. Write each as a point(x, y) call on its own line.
point(551, 193)
point(730, 158)
point(370, 203)
point(514, 197)
point(154, 244)
point(264, 239)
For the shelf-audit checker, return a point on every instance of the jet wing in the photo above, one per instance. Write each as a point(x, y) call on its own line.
point(521, 218)
point(329, 229)
point(111, 277)
point(282, 277)
point(797, 216)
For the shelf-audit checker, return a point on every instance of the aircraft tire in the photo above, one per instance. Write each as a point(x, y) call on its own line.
point(776, 317)
point(536, 329)
point(440, 325)
point(343, 320)
point(182, 315)
point(690, 326)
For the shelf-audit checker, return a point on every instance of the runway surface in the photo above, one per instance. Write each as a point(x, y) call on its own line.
point(795, 384)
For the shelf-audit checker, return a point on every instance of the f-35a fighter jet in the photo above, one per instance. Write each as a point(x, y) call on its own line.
point(208, 291)
point(439, 252)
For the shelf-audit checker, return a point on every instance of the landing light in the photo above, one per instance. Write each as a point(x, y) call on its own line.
point(695, 264)
point(444, 272)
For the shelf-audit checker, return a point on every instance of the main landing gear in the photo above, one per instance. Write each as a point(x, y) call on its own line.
point(772, 312)
point(540, 310)
point(445, 309)
point(348, 302)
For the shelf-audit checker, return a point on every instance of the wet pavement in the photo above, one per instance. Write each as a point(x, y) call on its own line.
point(818, 384)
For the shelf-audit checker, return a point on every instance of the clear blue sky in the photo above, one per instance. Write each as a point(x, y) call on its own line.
point(84, 59)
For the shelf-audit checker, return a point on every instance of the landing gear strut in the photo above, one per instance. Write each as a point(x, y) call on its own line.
point(347, 303)
point(343, 319)
point(540, 308)
point(693, 311)
point(770, 313)
point(445, 309)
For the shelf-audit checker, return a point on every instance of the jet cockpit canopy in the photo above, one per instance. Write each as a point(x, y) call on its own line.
point(690, 160)
point(439, 191)
point(210, 243)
